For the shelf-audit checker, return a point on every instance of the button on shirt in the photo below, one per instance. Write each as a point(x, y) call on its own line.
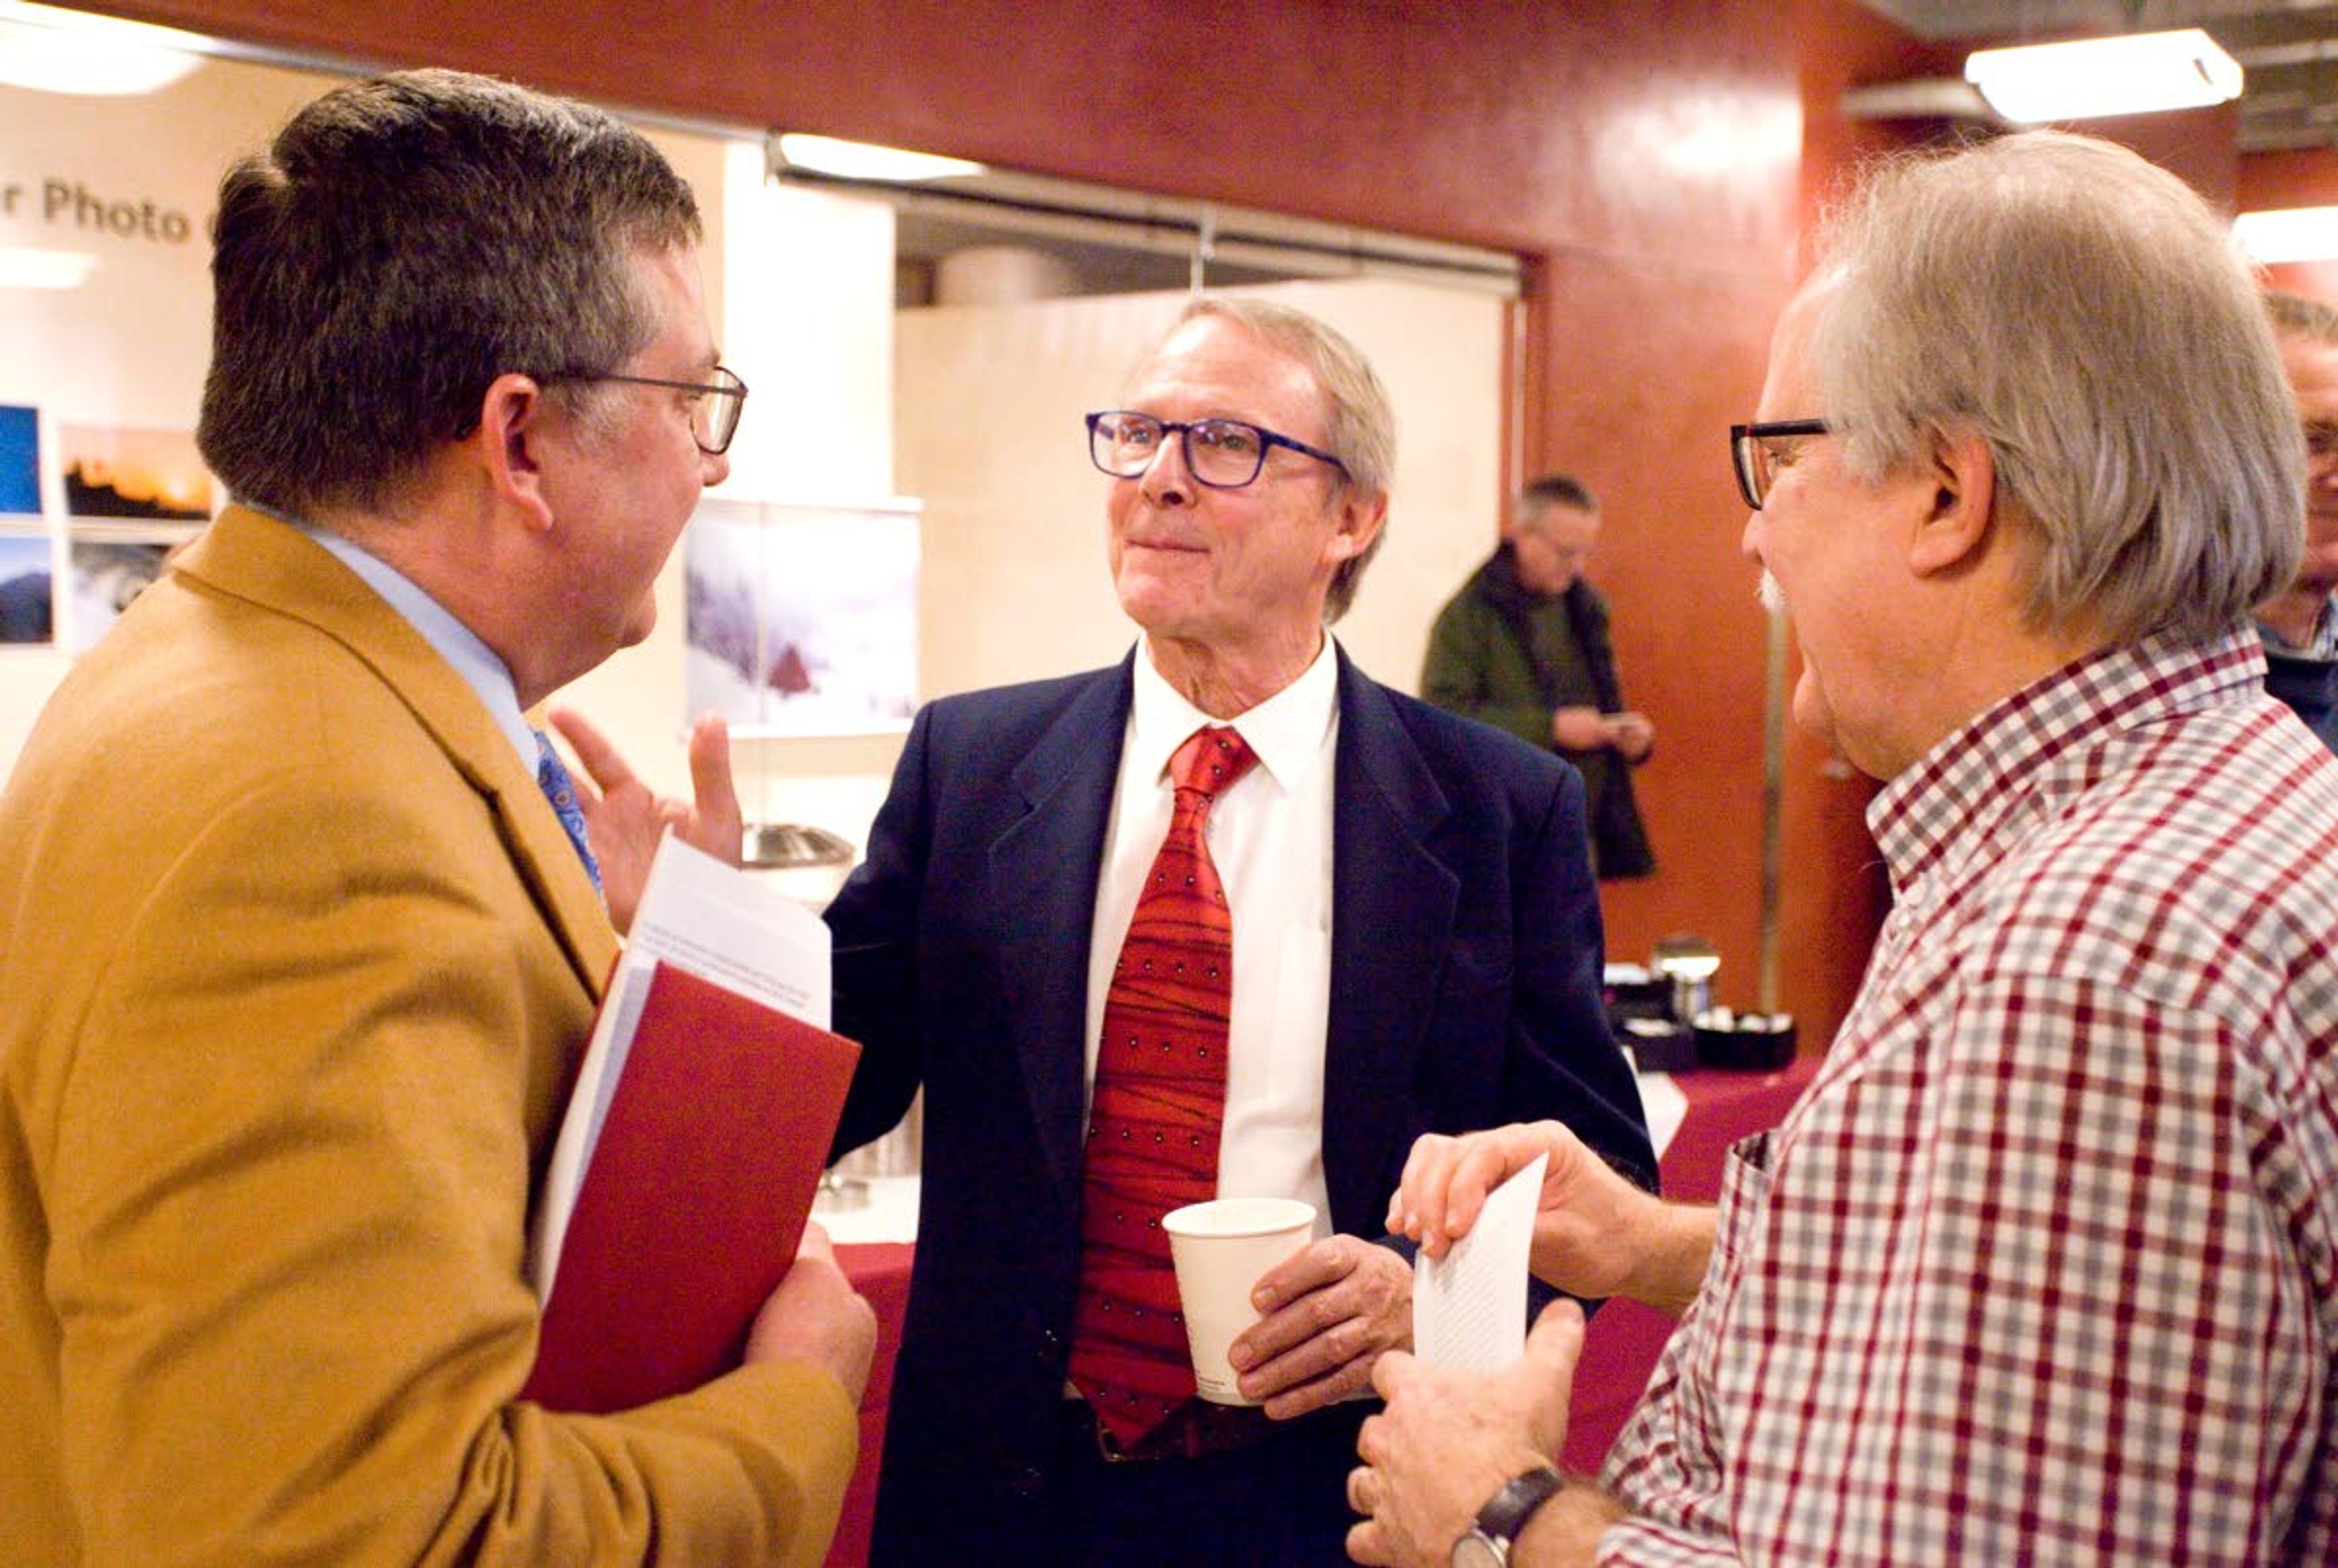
point(2044, 1267)
point(1270, 838)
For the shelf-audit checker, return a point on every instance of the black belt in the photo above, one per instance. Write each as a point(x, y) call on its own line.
point(1198, 1428)
point(1195, 1429)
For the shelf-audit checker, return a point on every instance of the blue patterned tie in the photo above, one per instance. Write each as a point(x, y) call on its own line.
point(552, 777)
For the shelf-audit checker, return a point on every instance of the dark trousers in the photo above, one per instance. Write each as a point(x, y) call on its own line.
point(1280, 1501)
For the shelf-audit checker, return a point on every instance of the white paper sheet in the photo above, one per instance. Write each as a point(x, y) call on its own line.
point(1664, 1106)
point(718, 922)
point(1469, 1306)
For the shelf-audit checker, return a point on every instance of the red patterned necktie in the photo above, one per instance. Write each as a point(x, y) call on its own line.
point(1159, 1103)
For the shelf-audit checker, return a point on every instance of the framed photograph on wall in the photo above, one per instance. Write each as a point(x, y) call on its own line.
point(28, 612)
point(106, 568)
point(803, 620)
point(153, 476)
point(20, 461)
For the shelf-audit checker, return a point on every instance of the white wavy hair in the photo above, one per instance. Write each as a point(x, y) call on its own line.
point(2089, 317)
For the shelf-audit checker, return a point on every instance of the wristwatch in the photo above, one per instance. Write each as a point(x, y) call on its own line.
point(1486, 1544)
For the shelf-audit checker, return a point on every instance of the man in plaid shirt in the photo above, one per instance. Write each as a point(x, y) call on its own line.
point(2044, 1266)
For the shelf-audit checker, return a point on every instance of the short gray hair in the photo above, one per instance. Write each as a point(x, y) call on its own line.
point(1359, 424)
point(2087, 317)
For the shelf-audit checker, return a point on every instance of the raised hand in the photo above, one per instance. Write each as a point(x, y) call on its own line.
point(625, 819)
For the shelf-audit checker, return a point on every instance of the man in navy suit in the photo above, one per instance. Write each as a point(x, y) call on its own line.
point(1416, 947)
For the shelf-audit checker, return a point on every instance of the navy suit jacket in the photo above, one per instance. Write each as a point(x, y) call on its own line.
point(1464, 993)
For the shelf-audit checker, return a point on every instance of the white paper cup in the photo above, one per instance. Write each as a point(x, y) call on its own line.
point(1220, 1249)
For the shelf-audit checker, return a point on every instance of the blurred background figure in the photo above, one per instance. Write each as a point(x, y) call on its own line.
point(1523, 647)
point(2300, 623)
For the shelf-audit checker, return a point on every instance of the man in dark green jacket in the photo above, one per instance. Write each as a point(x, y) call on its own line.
point(1523, 647)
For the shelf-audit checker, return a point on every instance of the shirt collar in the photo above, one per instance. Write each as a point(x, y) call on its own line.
point(1286, 732)
point(1960, 792)
point(457, 644)
point(2321, 638)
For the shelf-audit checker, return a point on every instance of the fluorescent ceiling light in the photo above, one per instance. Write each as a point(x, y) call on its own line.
point(865, 161)
point(24, 268)
point(52, 50)
point(2289, 234)
point(2139, 74)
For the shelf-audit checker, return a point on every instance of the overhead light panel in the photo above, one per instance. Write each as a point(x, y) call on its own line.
point(23, 267)
point(864, 159)
point(2137, 74)
point(2289, 234)
point(1921, 98)
point(49, 49)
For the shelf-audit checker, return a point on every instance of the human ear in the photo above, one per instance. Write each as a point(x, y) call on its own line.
point(1359, 522)
point(510, 439)
point(1960, 473)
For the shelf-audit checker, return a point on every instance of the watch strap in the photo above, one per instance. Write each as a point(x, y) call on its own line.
point(1505, 1512)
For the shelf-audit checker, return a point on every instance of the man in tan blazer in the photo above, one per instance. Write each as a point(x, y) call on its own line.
point(297, 961)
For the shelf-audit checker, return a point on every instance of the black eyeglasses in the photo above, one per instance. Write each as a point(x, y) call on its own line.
point(1750, 454)
point(714, 413)
point(2320, 440)
point(1223, 453)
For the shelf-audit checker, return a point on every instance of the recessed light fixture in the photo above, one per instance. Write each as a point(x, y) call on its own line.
point(2289, 234)
point(864, 159)
point(2133, 74)
point(23, 267)
point(49, 49)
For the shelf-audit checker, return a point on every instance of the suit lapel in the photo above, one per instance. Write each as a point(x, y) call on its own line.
point(269, 563)
point(1393, 902)
point(1043, 882)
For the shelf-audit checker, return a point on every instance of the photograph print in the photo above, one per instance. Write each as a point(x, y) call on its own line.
point(803, 620)
point(27, 588)
point(20, 461)
point(105, 575)
point(148, 475)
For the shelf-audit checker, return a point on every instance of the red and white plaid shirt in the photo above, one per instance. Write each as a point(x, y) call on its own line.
point(2044, 1266)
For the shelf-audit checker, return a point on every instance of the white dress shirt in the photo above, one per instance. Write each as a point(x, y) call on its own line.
point(1270, 836)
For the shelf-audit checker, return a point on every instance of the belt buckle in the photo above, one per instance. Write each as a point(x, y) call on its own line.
point(1167, 1441)
point(1109, 1445)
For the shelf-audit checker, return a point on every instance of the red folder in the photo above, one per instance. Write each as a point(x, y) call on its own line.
point(694, 1198)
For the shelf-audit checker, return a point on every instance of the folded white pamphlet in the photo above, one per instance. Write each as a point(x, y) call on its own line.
point(1469, 1306)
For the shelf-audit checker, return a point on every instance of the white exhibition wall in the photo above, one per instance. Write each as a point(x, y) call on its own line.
point(973, 410)
point(128, 185)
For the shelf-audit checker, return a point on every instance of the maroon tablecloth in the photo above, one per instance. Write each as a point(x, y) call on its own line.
point(1625, 1337)
point(1620, 1353)
point(880, 1271)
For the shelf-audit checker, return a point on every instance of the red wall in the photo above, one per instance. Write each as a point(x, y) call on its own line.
point(1645, 156)
point(2270, 182)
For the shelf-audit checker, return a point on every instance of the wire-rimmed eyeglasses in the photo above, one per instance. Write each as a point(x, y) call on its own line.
point(1223, 453)
point(1750, 453)
point(714, 413)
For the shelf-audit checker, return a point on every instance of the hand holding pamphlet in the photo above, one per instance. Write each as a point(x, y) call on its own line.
point(1469, 1306)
